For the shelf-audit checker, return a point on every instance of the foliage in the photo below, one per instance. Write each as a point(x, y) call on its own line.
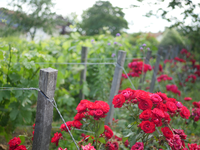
point(188, 12)
point(29, 16)
point(137, 39)
point(20, 68)
point(171, 37)
point(101, 17)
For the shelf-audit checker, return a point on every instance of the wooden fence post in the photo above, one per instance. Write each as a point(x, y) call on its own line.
point(146, 61)
point(44, 114)
point(167, 55)
point(155, 70)
point(177, 51)
point(115, 84)
point(83, 72)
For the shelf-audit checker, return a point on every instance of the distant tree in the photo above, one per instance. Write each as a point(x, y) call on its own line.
point(103, 16)
point(29, 15)
point(189, 13)
point(67, 22)
point(172, 37)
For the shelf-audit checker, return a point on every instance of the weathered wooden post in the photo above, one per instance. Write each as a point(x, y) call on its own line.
point(146, 61)
point(176, 50)
point(44, 114)
point(167, 55)
point(155, 70)
point(115, 84)
point(173, 52)
point(83, 72)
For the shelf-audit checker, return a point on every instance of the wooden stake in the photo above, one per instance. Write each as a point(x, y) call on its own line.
point(115, 84)
point(44, 114)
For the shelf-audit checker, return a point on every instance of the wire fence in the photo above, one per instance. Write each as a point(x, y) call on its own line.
point(52, 101)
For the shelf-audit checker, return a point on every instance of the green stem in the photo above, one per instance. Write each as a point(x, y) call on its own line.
point(9, 62)
point(146, 140)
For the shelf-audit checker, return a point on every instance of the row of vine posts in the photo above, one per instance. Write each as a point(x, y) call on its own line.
point(47, 85)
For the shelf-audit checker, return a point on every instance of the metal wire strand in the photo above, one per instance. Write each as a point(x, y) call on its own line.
point(126, 74)
point(53, 102)
point(19, 89)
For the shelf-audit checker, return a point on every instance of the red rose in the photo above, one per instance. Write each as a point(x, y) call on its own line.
point(60, 148)
point(155, 98)
point(185, 113)
point(126, 143)
point(108, 132)
point(21, 147)
point(162, 106)
point(79, 116)
point(127, 93)
point(171, 106)
point(14, 143)
point(145, 104)
point(109, 146)
point(77, 124)
point(116, 145)
point(142, 95)
point(196, 104)
point(118, 100)
point(167, 117)
point(157, 120)
point(56, 138)
point(180, 133)
point(187, 98)
point(82, 106)
point(103, 106)
point(68, 123)
point(147, 126)
point(167, 132)
point(146, 114)
point(171, 100)
point(158, 112)
point(138, 146)
point(193, 146)
point(162, 95)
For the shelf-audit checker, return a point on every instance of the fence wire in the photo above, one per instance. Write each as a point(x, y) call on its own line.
point(53, 102)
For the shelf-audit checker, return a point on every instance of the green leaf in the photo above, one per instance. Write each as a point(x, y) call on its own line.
point(124, 139)
point(85, 89)
point(13, 114)
point(28, 65)
point(75, 35)
point(102, 140)
point(22, 138)
point(101, 129)
point(195, 124)
point(72, 48)
point(91, 139)
point(17, 67)
point(1, 55)
point(26, 115)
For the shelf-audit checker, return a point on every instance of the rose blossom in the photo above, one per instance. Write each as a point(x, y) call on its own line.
point(147, 126)
point(88, 147)
point(185, 113)
point(146, 114)
point(167, 132)
point(138, 146)
point(118, 101)
point(155, 98)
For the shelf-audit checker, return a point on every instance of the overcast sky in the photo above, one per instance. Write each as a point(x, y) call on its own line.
point(135, 16)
